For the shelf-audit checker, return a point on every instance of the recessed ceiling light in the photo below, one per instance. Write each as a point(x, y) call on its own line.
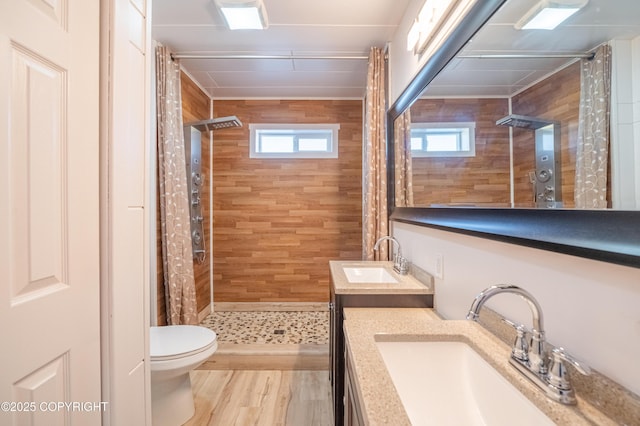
point(548, 14)
point(243, 14)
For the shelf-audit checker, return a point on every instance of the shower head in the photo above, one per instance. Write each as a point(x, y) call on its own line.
point(215, 123)
point(515, 120)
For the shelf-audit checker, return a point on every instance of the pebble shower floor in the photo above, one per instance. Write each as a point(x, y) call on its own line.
point(263, 327)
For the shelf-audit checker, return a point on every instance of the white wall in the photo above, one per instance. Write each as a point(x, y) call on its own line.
point(590, 308)
point(625, 124)
point(403, 65)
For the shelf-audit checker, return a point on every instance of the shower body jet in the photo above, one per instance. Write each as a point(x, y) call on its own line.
point(195, 180)
point(547, 175)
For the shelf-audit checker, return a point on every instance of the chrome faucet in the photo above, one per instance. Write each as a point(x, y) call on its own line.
point(535, 353)
point(400, 264)
point(530, 357)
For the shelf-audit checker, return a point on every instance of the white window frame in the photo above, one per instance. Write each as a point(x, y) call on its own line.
point(298, 130)
point(470, 126)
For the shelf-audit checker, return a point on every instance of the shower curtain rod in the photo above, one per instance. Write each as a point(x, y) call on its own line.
point(589, 55)
point(194, 56)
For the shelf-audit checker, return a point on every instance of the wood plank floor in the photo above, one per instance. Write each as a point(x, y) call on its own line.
point(261, 398)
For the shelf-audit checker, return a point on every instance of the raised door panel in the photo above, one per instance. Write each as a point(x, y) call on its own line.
point(38, 255)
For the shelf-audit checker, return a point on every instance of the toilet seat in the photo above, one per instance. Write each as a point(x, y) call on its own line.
point(179, 341)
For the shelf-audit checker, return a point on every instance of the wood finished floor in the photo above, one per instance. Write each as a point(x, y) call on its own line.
point(261, 398)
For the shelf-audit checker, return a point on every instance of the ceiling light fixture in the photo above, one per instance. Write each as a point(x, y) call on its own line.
point(243, 14)
point(548, 14)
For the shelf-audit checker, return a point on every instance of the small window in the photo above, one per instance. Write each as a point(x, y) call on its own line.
point(294, 140)
point(443, 140)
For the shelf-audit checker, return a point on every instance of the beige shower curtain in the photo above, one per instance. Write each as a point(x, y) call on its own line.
point(375, 221)
point(177, 257)
point(403, 164)
point(593, 131)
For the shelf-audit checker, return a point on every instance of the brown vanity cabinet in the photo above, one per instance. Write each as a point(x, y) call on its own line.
point(337, 343)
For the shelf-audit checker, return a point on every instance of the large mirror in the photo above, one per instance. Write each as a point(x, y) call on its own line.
point(498, 125)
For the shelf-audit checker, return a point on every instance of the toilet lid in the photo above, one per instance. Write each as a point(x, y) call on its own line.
point(174, 340)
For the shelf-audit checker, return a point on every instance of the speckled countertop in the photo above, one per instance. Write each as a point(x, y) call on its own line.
point(375, 390)
point(407, 284)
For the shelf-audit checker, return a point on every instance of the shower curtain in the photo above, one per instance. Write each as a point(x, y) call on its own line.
point(375, 221)
point(403, 165)
point(593, 131)
point(177, 256)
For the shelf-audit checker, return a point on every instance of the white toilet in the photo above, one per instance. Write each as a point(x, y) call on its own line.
point(175, 351)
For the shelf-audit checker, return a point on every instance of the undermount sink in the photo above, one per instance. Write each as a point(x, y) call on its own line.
point(446, 382)
point(369, 275)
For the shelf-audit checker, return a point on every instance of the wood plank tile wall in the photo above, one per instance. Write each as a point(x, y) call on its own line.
point(195, 106)
point(483, 179)
point(278, 222)
point(555, 98)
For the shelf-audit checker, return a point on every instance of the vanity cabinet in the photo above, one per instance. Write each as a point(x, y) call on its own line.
point(407, 293)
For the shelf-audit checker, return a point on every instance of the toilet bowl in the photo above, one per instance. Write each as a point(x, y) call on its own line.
point(176, 350)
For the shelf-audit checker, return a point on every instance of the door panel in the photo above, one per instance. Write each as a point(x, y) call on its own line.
point(38, 112)
point(49, 215)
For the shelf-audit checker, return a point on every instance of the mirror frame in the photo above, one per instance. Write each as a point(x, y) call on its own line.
point(611, 236)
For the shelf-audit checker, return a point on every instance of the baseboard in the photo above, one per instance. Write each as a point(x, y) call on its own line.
point(204, 313)
point(270, 306)
point(269, 349)
point(268, 357)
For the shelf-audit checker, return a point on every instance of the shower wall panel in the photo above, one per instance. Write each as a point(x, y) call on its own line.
point(556, 98)
point(196, 105)
point(479, 180)
point(278, 222)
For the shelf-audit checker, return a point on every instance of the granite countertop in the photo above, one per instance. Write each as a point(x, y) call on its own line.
point(407, 284)
point(376, 393)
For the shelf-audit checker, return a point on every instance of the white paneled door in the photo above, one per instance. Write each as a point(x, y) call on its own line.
point(49, 213)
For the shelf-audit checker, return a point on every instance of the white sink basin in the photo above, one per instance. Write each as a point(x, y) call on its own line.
point(448, 383)
point(369, 275)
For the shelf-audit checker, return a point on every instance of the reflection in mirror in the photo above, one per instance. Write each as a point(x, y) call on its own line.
point(509, 85)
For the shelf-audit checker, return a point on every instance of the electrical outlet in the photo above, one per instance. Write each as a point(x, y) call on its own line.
point(439, 266)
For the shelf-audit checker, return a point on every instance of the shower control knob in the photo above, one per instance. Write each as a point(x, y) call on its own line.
point(544, 175)
point(197, 238)
point(196, 179)
point(197, 219)
point(195, 201)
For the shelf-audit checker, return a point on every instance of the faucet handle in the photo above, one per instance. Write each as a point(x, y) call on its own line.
point(558, 374)
point(561, 354)
point(404, 266)
point(520, 349)
point(512, 324)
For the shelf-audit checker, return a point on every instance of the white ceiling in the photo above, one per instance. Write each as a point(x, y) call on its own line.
point(351, 28)
point(599, 21)
point(296, 28)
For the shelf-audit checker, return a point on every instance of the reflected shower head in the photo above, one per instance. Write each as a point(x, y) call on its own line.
point(215, 123)
point(522, 121)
